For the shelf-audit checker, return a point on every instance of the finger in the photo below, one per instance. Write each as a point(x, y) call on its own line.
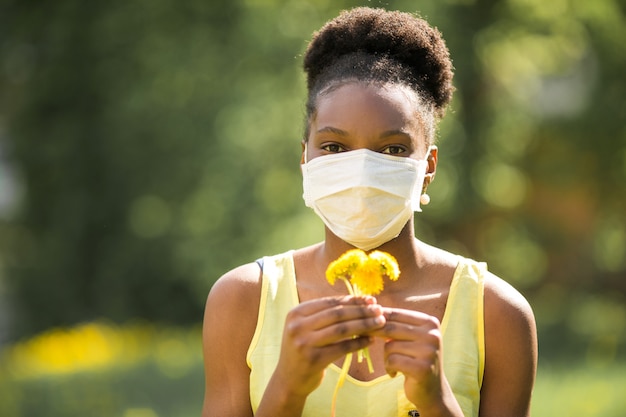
point(419, 356)
point(342, 313)
point(409, 316)
point(347, 330)
point(323, 312)
point(406, 324)
point(334, 324)
point(401, 331)
point(427, 346)
point(313, 306)
point(337, 350)
point(410, 366)
point(325, 355)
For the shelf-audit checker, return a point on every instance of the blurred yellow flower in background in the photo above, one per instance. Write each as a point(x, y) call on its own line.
point(95, 346)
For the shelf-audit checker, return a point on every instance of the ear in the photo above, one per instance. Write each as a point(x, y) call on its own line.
point(303, 156)
point(432, 159)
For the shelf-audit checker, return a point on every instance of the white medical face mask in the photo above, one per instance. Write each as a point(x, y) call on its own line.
point(364, 197)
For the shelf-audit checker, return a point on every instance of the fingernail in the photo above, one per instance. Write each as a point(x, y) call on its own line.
point(375, 308)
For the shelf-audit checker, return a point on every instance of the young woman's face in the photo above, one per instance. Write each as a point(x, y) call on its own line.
point(379, 118)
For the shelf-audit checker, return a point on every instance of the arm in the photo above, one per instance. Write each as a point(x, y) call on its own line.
point(229, 322)
point(316, 333)
point(413, 347)
point(510, 351)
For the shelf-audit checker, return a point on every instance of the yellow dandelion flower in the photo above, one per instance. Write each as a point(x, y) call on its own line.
point(334, 271)
point(388, 263)
point(344, 266)
point(362, 273)
point(368, 278)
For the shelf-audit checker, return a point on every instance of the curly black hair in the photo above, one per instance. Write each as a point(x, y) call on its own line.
point(376, 45)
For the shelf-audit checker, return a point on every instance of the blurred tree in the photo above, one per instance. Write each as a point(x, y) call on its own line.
point(109, 121)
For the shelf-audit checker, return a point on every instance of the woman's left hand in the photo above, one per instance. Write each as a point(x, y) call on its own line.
point(413, 347)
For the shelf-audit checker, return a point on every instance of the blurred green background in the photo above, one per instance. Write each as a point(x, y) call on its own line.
point(146, 147)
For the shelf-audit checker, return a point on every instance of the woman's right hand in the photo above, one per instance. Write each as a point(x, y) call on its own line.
point(317, 333)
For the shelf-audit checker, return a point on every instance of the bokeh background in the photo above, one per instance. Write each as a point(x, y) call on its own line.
point(148, 146)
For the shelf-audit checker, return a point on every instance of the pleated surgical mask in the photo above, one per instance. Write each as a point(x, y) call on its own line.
point(364, 197)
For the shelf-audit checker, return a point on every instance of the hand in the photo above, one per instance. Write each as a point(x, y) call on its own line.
point(414, 347)
point(321, 331)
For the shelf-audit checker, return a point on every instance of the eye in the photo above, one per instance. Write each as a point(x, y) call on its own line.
point(394, 150)
point(333, 148)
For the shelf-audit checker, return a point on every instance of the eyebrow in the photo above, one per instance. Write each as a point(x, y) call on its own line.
point(330, 129)
point(395, 132)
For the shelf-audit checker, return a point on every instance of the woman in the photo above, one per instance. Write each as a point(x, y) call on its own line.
point(448, 338)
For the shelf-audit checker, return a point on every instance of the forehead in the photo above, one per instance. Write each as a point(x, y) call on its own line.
point(400, 97)
point(386, 106)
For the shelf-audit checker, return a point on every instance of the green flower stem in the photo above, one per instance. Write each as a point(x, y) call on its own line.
point(365, 353)
point(348, 285)
point(342, 377)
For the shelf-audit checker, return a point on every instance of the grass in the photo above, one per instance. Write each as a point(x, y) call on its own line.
point(580, 389)
point(139, 370)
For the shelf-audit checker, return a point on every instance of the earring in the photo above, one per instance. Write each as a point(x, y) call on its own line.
point(424, 198)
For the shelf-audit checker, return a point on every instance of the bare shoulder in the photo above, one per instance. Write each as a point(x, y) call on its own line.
point(229, 323)
point(232, 309)
point(244, 278)
point(510, 326)
point(510, 351)
point(504, 303)
point(237, 291)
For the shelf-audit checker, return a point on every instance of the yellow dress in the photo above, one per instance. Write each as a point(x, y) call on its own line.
point(463, 341)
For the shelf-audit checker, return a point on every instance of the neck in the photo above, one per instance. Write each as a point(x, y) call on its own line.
point(408, 251)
